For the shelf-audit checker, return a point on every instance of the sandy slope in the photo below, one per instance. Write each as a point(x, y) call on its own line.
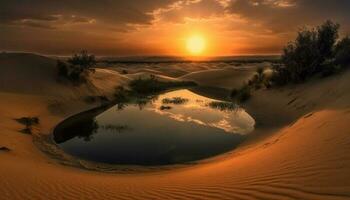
point(304, 154)
point(220, 77)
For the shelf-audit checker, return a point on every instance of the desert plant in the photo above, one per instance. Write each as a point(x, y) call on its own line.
point(342, 52)
point(307, 55)
point(77, 68)
point(223, 106)
point(165, 107)
point(121, 94)
point(175, 100)
point(28, 122)
point(83, 60)
point(5, 149)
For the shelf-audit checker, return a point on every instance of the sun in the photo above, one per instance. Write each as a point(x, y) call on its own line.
point(195, 44)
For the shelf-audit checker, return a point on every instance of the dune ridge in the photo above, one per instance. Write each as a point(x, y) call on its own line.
point(301, 151)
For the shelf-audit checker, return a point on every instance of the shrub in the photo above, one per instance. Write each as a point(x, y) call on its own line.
point(307, 55)
point(77, 67)
point(342, 52)
point(223, 106)
point(28, 122)
point(165, 107)
point(83, 60)
point(62, 68)
point(5, 149)
point(175, 100)
point(121, 94)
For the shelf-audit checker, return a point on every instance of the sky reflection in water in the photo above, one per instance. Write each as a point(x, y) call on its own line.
point(155, 133)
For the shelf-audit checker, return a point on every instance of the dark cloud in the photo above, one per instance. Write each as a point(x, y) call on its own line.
point(192, 9)
point(108, 11)
point(287, 15)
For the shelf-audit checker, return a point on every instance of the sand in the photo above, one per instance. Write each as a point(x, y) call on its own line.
point(301, 148)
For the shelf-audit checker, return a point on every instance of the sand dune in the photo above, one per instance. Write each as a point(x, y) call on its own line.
point(221, 77)
point(303, 151)
point(26, 73)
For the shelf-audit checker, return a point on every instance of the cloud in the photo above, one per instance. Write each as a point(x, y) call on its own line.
point(118, 12)
point(287, 15)
point(179, 11)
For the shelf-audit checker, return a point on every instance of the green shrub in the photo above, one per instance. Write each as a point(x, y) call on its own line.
point(175, 100)
point(342, 52)
point(121, 94)
point(83, 60)
point(223, 106)
point(307, 55)
point(77, 67)
point(29, 123)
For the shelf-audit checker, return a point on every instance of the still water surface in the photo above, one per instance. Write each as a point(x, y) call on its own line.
point(175, 127)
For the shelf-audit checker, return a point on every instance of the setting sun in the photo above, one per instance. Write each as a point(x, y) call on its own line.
point(195, 44)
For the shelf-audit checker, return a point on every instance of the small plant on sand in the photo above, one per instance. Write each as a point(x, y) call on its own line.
point(77, 68)
point(174, 100)
point(5, 149)
point(165, 107)
point(29, 123)
point(258, 79)
point(223, 106)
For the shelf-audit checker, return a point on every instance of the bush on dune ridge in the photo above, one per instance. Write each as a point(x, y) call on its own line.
point(77, 68)
point(314, 51)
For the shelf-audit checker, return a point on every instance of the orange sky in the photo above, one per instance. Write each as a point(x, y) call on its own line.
point(160, 27)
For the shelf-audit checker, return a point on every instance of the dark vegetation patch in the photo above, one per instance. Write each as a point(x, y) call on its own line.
point(77, 68)
point(223, 106)
point(29, 123)
point(316, 51)
point(5, 149)
point(175, 100)
point(165, 107)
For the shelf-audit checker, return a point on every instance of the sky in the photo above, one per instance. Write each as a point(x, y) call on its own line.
point(161, 27)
